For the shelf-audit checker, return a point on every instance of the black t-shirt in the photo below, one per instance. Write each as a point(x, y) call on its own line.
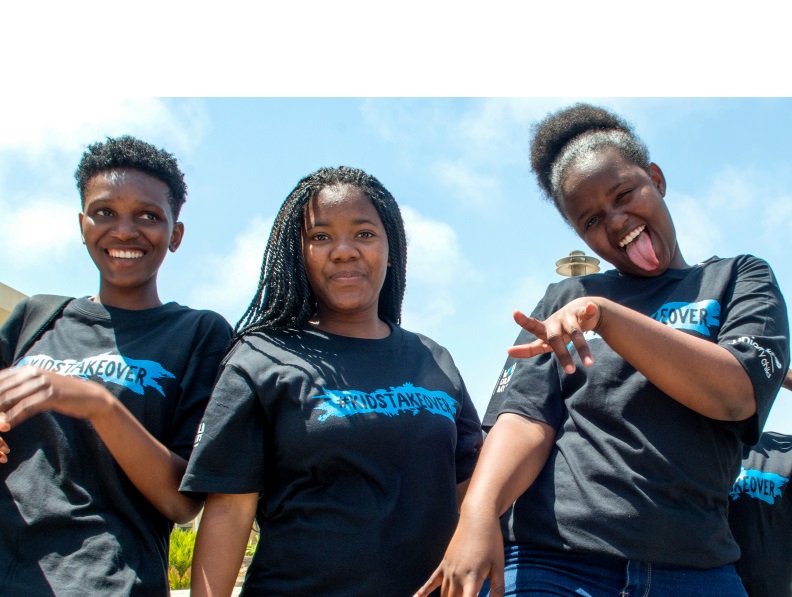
point(634, 473)
point(356, 447)
point(73, 524)
point(760, 516)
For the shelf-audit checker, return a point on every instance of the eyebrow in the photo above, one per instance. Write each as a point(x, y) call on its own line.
point(358, 222)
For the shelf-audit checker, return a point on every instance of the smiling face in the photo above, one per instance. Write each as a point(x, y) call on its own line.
point(345, 251)
point(617, 208)
point(128, 229)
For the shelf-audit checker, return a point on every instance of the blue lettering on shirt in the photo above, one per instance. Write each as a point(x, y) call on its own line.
point(699, 317)
point(111, 368)
point(758, 484)
point(392, 403)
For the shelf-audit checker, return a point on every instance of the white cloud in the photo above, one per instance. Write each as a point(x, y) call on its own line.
point(39, 231)
point(436, 271)
point(33, 125)
point(231, 278)
point(698, 238)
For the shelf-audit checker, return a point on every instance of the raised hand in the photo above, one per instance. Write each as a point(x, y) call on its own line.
point(557, 331)
point(26, 391)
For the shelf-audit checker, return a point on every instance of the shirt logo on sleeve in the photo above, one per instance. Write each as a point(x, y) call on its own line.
point(504, 380)
point(701, 317)
point(770, 363)
point(759, 485)
point(110, 368)
point(397, 401)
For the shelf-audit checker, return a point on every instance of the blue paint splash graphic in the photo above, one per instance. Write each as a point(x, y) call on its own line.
point(110, 368)
point(758, 484)
point(406, 398)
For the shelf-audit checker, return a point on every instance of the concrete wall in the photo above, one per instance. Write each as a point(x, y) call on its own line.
point(8, 298)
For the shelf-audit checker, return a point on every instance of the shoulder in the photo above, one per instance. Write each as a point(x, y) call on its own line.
point(740, 264)
point(418, 341)
point(207, 328)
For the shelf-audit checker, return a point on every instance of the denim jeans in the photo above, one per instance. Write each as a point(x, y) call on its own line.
point(532, 571)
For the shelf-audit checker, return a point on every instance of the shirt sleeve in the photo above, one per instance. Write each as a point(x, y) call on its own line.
point(469, 438)
point(755, 329)
point(195, 387)
point(528, 387)
point(229, 447)
point(9, 334)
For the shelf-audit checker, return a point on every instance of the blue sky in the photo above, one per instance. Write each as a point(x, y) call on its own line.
point(481, 240)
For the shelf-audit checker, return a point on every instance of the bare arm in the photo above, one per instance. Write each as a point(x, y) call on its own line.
point(695, 372)
point(152, 468)
point(220, 545)
point(787, 383)
point(514, 453)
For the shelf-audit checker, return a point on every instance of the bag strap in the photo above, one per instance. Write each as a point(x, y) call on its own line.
point(40, 311)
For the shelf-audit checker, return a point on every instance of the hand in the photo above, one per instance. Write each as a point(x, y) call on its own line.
point(554, 333)
point(474, 554)
point(4, 450)
point(26, 391)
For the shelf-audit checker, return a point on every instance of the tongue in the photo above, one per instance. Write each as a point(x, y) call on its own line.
point(641, 252)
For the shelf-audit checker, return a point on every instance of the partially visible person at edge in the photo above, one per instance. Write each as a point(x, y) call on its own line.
point(349, 438)
point(760, 514)
point(100, 413)
point(617, 424)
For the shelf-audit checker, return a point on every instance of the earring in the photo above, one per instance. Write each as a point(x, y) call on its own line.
point(82, 238)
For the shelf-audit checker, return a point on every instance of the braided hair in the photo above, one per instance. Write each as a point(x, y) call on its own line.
point(130, 152)
point(563, 137)
point(284, 298)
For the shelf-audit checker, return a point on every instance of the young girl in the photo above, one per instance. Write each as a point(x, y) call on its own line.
point(613, 469)
point(349, 438)
point(100, 413)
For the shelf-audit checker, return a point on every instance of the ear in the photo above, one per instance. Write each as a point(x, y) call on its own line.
point(658, 178)
point(80, 217)
point(176, 237)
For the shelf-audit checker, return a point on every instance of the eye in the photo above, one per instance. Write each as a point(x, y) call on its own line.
point(320, 236)
point(623, 194)
point(590, 222)
point(103, 212)
point(365, 234)
point(150, 215)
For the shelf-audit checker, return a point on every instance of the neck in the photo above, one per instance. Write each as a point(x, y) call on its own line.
point(133, 301)
point(368, 328)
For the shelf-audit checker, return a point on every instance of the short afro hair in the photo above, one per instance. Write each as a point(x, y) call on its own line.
point(563, 137)
point(129, 152)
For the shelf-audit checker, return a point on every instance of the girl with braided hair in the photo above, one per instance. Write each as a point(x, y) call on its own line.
point(617, 424)
point(349, 438)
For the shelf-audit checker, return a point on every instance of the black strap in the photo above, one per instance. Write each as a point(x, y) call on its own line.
point(40, 311)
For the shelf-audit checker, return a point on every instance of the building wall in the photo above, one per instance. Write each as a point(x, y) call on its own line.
point(8, 298)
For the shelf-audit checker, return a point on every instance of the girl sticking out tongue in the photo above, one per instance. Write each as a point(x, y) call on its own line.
point(641, 252)
point(586, 477)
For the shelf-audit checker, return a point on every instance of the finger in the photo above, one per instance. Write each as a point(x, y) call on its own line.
point(526, 351)
point(4, 451)
point(434, 581)
point(574, 331)
point(529, 324)
point(497, 582)
point(12, 378)
point(31, 405)
point(22, 386)
point(558, 338)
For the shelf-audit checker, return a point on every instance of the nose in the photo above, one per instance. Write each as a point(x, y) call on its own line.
point(616, 219)
point(125, 228)
point(344, 249)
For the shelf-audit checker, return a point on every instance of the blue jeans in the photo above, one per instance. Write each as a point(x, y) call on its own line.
point(532, 571)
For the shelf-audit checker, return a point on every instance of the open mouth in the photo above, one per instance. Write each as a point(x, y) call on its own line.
point(632, 236)
point(125, 254)
point(638, 245)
